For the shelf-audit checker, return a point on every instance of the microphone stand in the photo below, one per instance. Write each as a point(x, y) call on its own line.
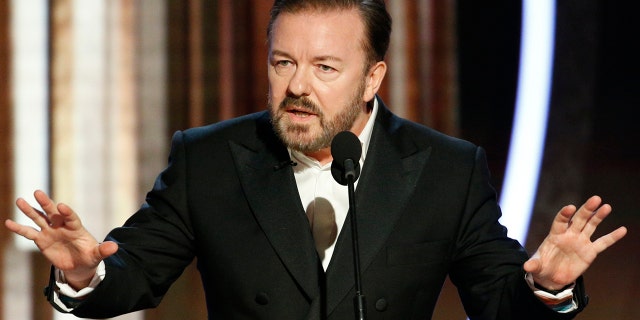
point(359, 301)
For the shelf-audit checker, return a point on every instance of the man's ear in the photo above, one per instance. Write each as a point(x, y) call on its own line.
point(374, 79)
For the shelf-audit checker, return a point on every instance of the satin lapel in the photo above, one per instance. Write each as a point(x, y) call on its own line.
point(275, 202)
point(388, 179)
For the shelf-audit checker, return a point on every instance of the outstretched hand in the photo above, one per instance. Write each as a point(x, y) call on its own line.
point(62, 239)
point(568, 251)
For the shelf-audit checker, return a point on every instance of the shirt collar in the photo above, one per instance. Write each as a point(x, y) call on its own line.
point(365, 135)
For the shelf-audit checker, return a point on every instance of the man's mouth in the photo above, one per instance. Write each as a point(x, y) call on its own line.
point(299, 112)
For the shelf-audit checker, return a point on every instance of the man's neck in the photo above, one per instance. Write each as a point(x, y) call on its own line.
point(323, 156)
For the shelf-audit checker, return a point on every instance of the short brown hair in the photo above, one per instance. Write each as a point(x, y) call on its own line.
point(376, 19)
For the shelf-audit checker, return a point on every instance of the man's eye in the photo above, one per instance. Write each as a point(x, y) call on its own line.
point(325, 68)
point(283, 67)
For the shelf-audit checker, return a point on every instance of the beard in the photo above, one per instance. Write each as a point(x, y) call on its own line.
point(308, 138)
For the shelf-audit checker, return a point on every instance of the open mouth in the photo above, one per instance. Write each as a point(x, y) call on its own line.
point(300, 112)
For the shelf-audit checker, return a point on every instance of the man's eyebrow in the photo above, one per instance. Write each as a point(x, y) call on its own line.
point(318, 58)
point(279, 53)
point(327, 58)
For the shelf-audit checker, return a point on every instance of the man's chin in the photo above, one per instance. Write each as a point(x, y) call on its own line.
point(302, 145)
point(304, 142)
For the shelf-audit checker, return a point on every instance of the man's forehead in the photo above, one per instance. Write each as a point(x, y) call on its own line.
point(321, 30)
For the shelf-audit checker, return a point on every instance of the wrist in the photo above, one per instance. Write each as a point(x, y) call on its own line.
point(66, 298)
point(77, 280)
point(561, 301)
point(547, 285)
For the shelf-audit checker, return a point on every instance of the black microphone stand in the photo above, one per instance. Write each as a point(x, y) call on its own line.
point(359, 301)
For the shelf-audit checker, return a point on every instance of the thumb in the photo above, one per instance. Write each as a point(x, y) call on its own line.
point(107, 249)
point(533, 266)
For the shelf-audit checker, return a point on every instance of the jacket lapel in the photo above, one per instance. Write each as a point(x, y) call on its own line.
point(388, 179)
point(275, 202)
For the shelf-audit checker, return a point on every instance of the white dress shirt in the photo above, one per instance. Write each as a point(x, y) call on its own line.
point(326, 202)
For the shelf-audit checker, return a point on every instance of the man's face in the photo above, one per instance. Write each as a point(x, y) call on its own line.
point(317, 83)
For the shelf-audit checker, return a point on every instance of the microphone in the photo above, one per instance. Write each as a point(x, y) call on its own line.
point(345, 168)
point(346, 151)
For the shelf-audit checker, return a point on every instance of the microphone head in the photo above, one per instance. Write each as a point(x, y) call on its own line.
point(346, 151)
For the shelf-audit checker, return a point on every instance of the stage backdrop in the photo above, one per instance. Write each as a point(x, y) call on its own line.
point(119, 77)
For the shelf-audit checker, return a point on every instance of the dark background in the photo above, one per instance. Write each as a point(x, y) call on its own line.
point(593, 139)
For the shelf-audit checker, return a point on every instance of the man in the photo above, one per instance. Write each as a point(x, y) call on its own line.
point(254, 201)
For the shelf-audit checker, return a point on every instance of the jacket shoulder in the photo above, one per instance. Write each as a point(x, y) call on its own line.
point(243, 127)
point(409, 134)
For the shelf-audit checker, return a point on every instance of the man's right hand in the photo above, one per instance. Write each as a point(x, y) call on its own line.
point(62, 239)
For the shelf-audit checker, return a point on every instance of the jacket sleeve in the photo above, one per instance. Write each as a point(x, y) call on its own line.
point(487, 265)
point(155, 245)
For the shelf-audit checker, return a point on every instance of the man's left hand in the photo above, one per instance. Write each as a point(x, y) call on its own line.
point(568, 251)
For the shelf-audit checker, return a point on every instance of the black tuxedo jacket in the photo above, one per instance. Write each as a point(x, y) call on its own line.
point(425, 210)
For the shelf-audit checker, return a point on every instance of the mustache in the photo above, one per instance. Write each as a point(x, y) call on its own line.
point(301, 102)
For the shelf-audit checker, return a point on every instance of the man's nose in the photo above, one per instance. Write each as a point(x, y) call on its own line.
point(300, 84)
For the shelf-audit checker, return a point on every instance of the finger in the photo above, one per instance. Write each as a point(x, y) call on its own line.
point(563, 219)
point(609, 239)
point(533, 266)
point(39, 218)
point(595, 219)
point(580, 218)
point(45, 202)
point(66, 217)
point(24, 231)
point(107, 249)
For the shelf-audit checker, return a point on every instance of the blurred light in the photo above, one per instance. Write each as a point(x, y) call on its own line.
point(530, 117)
point(29, 34)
